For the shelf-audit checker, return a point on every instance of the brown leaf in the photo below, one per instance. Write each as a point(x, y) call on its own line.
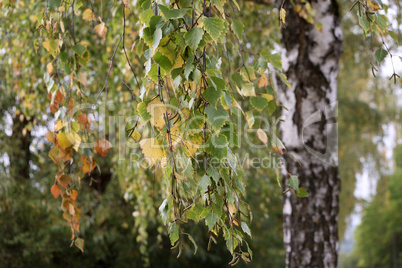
point(59, 97)
point(101, 30)
point(54, 107)
point(71, 210)
point(64, 180)
point(102, 147)
point(84, 120)
point(51, 137)
point(55, 190)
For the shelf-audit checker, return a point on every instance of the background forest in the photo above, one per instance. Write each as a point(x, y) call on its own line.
point(120, 219)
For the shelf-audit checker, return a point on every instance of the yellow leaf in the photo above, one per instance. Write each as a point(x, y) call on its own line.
point(88, 15)
point(63, 141)
point(52, 45)
point(263, 81)
point(191, 147)
point(373, 5)
point(269, 97)
point(152, 150)
point(101, 30)
point(49, 67)
point(46, 45)
point(232, 209)
point(136, 136)
point(282, 15)
point(157, 110)
point(262, 136)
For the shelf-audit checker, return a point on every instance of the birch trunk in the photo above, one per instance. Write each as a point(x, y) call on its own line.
point(311, 63)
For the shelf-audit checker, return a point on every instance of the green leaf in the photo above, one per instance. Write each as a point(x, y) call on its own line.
point(163, 61)
point(193, 37)
point(218, 83)
point(380, 55)
point(173, 13)
point(212, 95)
point(217, 146)
point(195, 212)
point(247, 89)
point(173, 233)
point(164, 209)
point(214, 174)
point(216, 116)
point(79, 243)
point(193, 241)
point(245, 228)
point(146, 16)
point(259, 103)
point(277, 144)
point(79, 49)
point(293, 182)
point(203, 183)
point(156, 22)
point(382, 21)
point(54, 4)
point(214, 26)
point(238, 29)
point(285, 79)
point(229, 244)
point(394, 36)
point(301, 192)
point(211, 220)
point(271, 107)
point(365, 24)
point(276, 61)
point(157, 38)
point(236, 77)
point(189, 66)
point(142, 111)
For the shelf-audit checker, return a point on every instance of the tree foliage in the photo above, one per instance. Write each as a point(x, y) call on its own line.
point(183, 75)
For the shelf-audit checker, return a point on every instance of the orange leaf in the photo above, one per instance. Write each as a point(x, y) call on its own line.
point(55, 190)
point(102, 147)
point(87, 164)
point(74, 194)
